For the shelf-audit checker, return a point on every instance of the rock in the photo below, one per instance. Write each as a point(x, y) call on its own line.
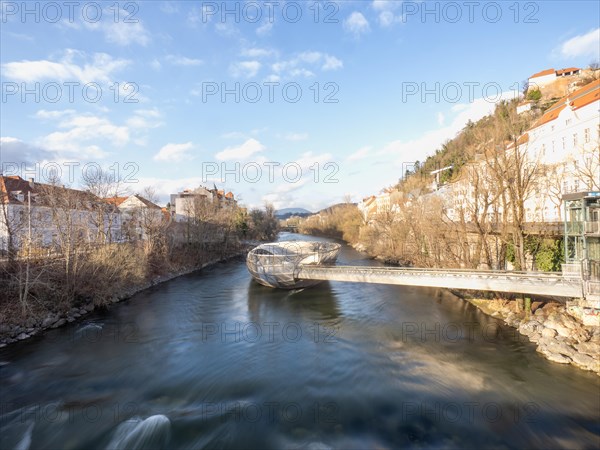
point(535, 306)
point(552, 324)
point(563, 331)
point(580, 335)
point(585, 361)
point(59, 323)
point(83, 311)
point(70, 319)
point(22, 336)
point(89, 307)
point(557, 358)
point(548, 333)
point(48, 321)
point(591, 348)
point(535, 337)
point(4, 328)
point(529, 328)
point(30, 323)
point(561, 348)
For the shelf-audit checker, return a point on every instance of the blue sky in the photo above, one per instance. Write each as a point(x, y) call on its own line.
point(136, 87)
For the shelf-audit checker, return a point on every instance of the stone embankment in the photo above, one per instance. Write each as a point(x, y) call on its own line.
point(32, 326)
point(559, 336)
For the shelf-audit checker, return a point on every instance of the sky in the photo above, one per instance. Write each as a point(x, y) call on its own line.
point(296, 103)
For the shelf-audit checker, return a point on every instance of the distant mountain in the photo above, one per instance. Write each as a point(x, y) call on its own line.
point(289, 212)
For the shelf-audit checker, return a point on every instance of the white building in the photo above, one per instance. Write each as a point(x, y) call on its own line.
point(565, 142)
point(549, 76)
point(47, 216)
point(188, 203)
point(138, 215)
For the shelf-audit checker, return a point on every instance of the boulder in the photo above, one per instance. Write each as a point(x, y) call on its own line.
point(548, 333)
point(22, 336)
point(59, 323)
point(563, 330)
point(49, 320)
point(557, 358)
point(590, 348)
point(585, 361)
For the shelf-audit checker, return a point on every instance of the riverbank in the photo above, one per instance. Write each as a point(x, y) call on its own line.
point(560, 337)
point(32, 326)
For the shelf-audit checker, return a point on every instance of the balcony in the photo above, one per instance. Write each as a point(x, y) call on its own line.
point(592, 228)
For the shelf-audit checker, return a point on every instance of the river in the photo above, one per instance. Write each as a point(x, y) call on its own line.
point(214, 360)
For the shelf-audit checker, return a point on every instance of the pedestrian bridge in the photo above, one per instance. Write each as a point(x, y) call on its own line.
point(537, 283)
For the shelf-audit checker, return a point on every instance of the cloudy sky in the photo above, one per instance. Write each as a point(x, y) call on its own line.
point(295, 103)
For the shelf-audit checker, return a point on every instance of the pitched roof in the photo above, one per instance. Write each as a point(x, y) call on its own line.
point(568, 69)
point(542, 73)
point(578, 99)
point(115, 200)
point(41, 193)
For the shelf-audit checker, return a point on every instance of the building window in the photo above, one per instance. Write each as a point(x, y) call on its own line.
point(568, 122)
point(574, 139)
point(543, 149)
point(553, 147)
point(565, 186)
point(587, 135)
point(564, 143)
point(552, 128)
point(576, 185)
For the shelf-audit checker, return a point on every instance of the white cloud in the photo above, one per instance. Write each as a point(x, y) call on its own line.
point(246, 69)
point(295, 137)
point(184, 61)
point(301, 64)
point(361, 153)
point(83, 135)
point(144, 119)
point(441, 119)
point(241, 152)
point(155, 64)
point(125, 29)
point(265, 28)
point(386, 12)
point(8, 140)
point(100, 69)
point(385, 5)
point(582, 45)
point(332, 63)
point(174, 152)
point(256, 52)
point(55, 114)
point(356, 24)
point(169, 7)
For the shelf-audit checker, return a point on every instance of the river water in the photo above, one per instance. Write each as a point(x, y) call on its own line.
point(214, 360)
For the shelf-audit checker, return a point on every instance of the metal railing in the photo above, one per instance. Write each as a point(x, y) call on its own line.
point(592, 227)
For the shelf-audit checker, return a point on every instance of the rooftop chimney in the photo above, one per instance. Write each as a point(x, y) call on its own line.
point(31, 182)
